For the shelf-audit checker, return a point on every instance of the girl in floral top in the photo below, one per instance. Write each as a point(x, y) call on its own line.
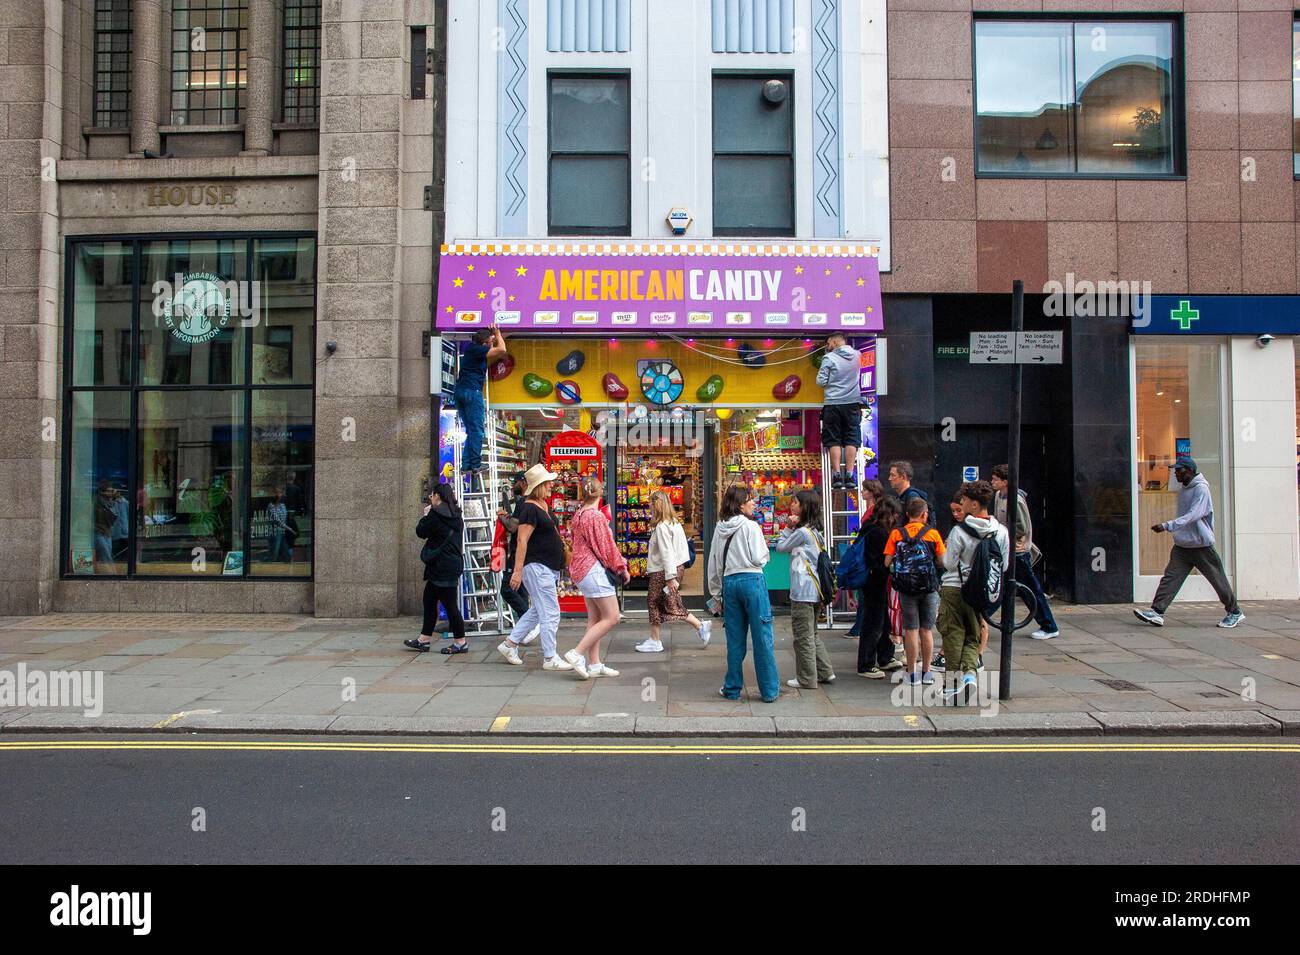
point(594, 551)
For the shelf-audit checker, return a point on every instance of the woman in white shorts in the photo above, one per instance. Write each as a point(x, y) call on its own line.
point(594, 552)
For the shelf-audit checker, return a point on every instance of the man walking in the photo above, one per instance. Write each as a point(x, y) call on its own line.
point(516, 600)
point(842, 409)
point(1026, 552)
point(1193, 531)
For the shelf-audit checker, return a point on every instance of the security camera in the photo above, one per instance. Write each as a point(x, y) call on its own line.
point(331, 347)
point(1263, 340)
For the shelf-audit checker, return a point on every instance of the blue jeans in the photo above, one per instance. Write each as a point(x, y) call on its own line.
point(1025, 574)
point(745, 608)
point(473, 411)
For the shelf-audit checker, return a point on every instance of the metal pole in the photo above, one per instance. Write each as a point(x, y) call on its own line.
point(1013, 493)
point(439, 217)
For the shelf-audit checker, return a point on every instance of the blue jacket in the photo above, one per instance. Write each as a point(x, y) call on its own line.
point(1194, 525)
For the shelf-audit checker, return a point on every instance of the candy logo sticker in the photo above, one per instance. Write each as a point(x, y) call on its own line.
point(776, 318)
point(469, 318)
point(699, 318)
point(586, 318)
point(663, 318)
point(850, 319)
point(546, 318)
point(738, 318)
point(623, 318)
point(814, 318)
point(506, 318)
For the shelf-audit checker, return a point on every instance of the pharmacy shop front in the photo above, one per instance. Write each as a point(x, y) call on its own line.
point(677, 372)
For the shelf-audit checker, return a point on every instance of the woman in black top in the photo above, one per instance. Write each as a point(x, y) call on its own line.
point(443, 531)
point(875, 607)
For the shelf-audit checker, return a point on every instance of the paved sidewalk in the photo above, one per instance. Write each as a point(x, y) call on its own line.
point(1106, 673)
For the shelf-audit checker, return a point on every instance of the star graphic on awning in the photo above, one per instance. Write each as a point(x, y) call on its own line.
point(457, 282)
point(522, 270)
point(482, 294)
point(862, 282)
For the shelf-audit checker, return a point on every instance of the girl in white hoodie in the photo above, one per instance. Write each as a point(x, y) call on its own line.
point(736, 559)
point(667, 559)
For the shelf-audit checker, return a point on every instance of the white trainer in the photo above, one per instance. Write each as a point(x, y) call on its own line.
point(649, 646)
point(557, 662)
point(578, 662)
point(510, 652)
point(706, 631)
point(600, 669)
point(1045, 634)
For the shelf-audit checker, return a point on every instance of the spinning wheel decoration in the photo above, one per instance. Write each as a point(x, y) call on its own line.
point(661, 382)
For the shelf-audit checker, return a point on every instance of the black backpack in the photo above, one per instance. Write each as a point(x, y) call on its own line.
point(913, 568)
point(981, 588)
point(826, 585)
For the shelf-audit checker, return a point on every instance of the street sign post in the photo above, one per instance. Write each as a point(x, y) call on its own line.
point(992, 348)
point(1017, 348)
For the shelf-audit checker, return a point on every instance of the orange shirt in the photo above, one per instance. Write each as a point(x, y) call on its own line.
point(931, 536)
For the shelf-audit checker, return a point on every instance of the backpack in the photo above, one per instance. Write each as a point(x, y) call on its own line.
point(690, 552)
point(913, 568)
point(982, 587)
point(852, 570)
point(824, 575)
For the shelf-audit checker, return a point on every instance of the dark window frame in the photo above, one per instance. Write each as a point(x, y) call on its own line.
point(224, 115)
point(788, 76)
point(68, 388)
point(625, 76)
point(110, 118)
point(1177, 83)
point(300, 113)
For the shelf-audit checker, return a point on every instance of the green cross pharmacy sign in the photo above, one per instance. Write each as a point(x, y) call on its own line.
point(1184, 315)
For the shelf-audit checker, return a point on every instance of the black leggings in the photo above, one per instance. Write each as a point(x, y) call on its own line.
point(875, 646)
point(434, 595)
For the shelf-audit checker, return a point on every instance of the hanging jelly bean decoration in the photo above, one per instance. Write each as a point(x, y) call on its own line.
point(711, 390)
point(786, 388)
point(500, 369)
point(615, 390)
point(571, 363)
point(536, 385)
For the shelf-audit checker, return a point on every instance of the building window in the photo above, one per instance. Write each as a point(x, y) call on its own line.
point(112, 64)
point(1179, 412)
point(753, 155)
point(1295, 95)
point(589, 166)
point(1078, 97)
point(302, 61)
point(190, 410)
point(209, 62)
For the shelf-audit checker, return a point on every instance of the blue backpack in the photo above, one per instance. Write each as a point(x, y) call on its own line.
point(851, 573)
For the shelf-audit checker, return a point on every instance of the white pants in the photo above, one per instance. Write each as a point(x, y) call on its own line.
point(543, 608)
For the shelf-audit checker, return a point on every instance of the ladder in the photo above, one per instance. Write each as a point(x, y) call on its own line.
point(841, 519)
point(485, 611)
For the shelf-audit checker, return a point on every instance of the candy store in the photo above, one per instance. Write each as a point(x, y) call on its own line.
point(686, 399)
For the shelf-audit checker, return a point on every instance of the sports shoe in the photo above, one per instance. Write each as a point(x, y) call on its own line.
point(722, 692)
point(1150, 616)
point(970, 686)
point(557, 663)
point(927, 677)
point(706, 631)
point(796, 685)
point(600, 669)
point(875, 673)
point(892, 665)
point(1045, 634)
point(649, 646)
point(829, 679)
point(937, 663)
point(914, 678)
point(1231, 620)
point(510, 652)
point(837, 483)
point(979, 666)
point(578, 662)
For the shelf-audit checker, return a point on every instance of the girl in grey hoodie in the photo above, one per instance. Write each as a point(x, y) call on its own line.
point(736, 560)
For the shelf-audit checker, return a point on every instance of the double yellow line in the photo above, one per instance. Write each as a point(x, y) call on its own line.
point(598, 748)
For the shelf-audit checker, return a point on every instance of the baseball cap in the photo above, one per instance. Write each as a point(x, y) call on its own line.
point(1185, 461)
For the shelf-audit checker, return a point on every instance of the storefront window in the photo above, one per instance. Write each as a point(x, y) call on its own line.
point(1179, 412)
point(176, 464)
point(192, 508)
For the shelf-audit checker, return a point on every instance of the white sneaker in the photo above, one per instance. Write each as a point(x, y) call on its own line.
point(556, 663)
point(578, 662)
point(1150, 616)
point(706, 631)
point(1045, 634)
point(600, 669)
point(510, 652)
point(649, 646)
point(796, 685)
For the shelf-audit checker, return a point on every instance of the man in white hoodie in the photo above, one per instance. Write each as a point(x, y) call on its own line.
point(1193, 531)
point(842, 408)
point(736, 559)
point(959, 623)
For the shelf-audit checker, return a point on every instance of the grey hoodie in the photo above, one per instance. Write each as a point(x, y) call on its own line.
point(804, 546)
point(1194, 525)
point(838, 376)
point(960, 549)
point(748, 554)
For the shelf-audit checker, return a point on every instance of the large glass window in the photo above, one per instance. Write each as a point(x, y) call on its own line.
point(176, 464)
point(209, 62)
point(301, 82)
point(590, 166)
point(753, 155)
point(1179, 412)
point(1295, 95)
point(1077, 97)
point(112, 63)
